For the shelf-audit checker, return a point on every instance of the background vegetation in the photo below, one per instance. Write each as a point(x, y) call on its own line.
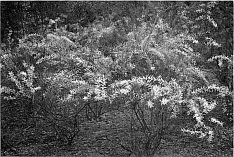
point(117, 78)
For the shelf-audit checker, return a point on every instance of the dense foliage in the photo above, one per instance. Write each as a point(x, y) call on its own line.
point(135, 68)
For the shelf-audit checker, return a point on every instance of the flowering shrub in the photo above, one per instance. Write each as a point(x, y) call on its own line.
point(148, 73)
point(159, 77)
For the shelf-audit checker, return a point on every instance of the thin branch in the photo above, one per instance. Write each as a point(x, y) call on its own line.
point(139, 119)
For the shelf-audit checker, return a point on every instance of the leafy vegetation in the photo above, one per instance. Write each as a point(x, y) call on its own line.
point(133, 79)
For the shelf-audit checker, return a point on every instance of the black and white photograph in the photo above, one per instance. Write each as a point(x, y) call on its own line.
point(117, 78)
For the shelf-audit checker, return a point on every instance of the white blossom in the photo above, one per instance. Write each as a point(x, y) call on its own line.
point(164, 101)
point(150, 104)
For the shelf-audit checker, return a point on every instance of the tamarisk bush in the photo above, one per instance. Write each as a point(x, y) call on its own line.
point(157, 76)
point(143, 73)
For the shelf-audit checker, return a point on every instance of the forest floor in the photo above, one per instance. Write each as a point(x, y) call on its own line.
point(93, 141)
